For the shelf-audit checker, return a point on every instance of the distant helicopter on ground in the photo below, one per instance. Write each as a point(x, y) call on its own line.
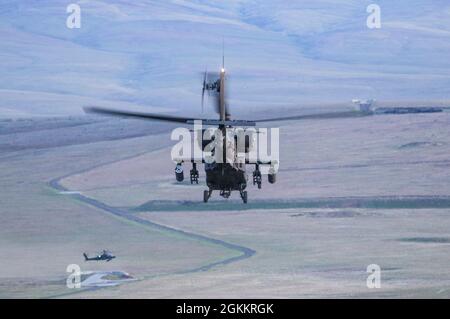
point(104, 255)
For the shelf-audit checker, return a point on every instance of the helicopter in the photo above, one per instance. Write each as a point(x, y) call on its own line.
point(223, 175)
point(104, 255)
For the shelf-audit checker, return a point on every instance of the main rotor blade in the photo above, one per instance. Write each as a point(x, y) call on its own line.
point(381, 107)
point(330, 115)
point(141, 115)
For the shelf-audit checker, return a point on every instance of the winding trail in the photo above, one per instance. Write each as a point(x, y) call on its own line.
point(243, 252)
point(374, 202)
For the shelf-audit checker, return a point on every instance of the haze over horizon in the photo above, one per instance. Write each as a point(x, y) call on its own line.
point(152, 53)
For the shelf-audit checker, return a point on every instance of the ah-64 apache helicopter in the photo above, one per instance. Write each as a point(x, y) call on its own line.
point(224, 175)
point(104, 255)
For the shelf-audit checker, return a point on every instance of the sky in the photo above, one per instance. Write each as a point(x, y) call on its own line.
point(151, 54)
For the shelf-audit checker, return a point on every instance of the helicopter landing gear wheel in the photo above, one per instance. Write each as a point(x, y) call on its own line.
point(244, 196)
point(206, 195)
